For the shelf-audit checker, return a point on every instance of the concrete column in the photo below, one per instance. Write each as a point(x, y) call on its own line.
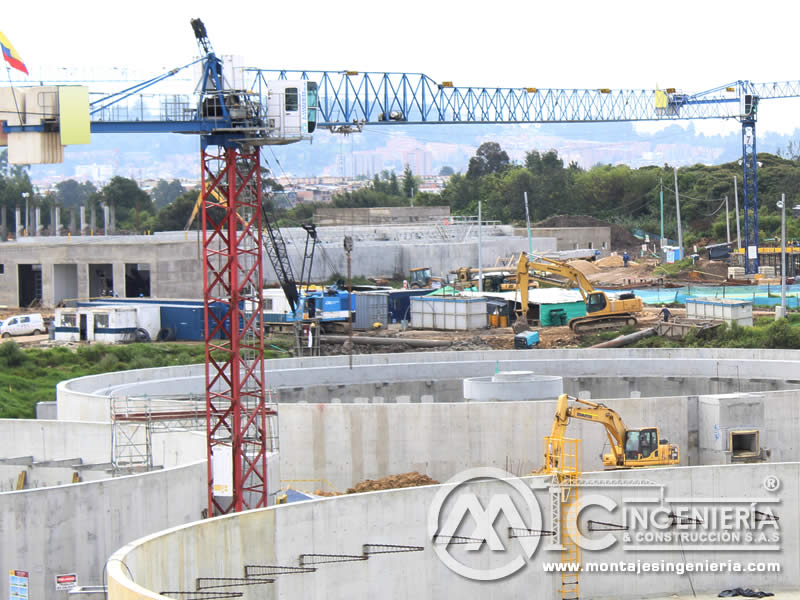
point(83, 220)
point(48, 287)
point(112, 213)
point(93, 220)
point(83, 280)
point(119, 279)
point(57, 221)
point(106, 224)
point(17, 223)
point(38, 217)
point(3, 223)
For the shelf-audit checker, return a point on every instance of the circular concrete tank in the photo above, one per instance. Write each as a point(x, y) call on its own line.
point(513, 385)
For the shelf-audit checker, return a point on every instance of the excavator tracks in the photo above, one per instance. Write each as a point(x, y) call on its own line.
point(589, 324)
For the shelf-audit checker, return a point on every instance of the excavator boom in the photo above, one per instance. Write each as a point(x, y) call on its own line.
point(629, 447)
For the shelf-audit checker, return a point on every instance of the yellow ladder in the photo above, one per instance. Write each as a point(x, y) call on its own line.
point(562, 461)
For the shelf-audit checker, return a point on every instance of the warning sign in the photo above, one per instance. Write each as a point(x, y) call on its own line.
point(66, 582)
point(17, 585)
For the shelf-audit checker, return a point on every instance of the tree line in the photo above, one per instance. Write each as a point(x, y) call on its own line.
point(615, 193)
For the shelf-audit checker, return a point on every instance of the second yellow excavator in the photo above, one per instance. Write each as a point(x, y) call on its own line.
point(602, 310)
point(630, 448)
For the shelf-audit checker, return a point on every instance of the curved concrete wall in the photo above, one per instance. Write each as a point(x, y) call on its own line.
point(431, 377)
point(393, 423)
point(340, 526)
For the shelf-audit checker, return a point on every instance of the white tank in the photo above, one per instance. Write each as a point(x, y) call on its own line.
point(513, 386)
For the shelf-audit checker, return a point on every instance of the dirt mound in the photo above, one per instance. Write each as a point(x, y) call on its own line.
point(584, 266)
point(611, 261)
point(614, 261)
point(621, 238)
point(391, 482)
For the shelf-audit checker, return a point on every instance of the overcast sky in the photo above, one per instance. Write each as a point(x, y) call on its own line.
point(690, 45)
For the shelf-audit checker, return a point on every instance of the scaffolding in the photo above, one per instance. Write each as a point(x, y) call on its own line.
point(562, 462)
point(134, 420)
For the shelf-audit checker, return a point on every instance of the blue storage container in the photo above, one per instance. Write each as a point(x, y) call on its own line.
point(399, 303)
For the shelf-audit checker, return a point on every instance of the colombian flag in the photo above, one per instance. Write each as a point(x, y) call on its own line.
point(11, 56)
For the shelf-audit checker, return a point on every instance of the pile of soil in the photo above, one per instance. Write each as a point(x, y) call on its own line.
point(621, 238)
point(390, 482)
point(611, 261)
point(614, 261)
point(584, 266)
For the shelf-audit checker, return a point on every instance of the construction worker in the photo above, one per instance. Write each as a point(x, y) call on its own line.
point(625, 258)
point(665, 313)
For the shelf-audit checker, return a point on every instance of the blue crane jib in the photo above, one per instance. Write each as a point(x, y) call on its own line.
point(283, 106)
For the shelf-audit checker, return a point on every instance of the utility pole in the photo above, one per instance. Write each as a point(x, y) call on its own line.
point(661, 183)
point(727, 220)
point(480, 243)
point(736, 206)
point(27, 195)
point(528, 225)
point(348, 248)
point(783, 255)
point(678, 211)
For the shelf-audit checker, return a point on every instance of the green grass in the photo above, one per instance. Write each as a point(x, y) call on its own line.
point(765, 333)
point(28, 376)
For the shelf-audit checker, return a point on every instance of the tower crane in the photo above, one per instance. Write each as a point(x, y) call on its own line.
point(349, 100)
point(284, 107)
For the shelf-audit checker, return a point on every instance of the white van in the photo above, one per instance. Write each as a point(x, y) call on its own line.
point(23, 325)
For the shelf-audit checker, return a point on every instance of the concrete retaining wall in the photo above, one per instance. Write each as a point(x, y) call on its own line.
point(72, 528)
point(277, 536)
point(345, 444)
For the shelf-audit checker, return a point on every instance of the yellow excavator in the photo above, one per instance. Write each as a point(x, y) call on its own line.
point(630, 448)
point(602, 311)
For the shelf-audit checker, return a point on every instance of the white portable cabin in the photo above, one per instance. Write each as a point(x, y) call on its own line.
point(107, 324)
point(275, 301)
